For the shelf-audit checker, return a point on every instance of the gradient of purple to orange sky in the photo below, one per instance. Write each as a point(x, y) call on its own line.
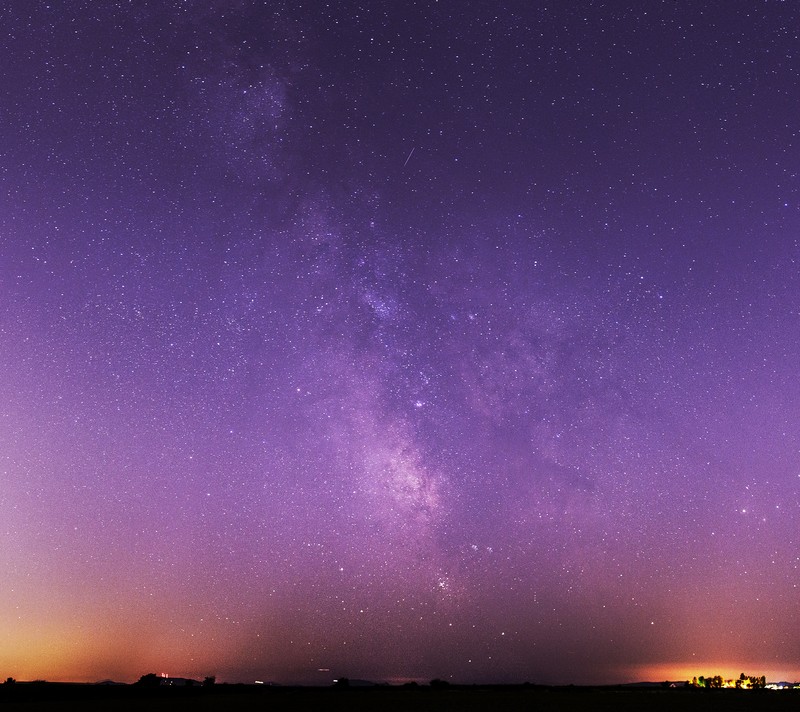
point(402, 340)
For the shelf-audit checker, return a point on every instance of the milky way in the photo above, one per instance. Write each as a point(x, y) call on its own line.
point(399, 341)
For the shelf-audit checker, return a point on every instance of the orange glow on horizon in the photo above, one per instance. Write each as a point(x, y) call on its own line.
point(683, 671)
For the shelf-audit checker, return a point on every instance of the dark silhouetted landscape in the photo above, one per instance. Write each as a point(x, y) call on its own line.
point(55, 697)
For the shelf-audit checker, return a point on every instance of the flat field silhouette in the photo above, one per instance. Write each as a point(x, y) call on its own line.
point(54, 697)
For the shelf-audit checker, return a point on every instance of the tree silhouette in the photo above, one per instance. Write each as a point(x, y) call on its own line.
point(149, 680)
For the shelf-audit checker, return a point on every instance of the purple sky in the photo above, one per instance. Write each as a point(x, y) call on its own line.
point(399, 340)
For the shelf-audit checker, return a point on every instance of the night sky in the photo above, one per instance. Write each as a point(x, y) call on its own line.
point(399, 340)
